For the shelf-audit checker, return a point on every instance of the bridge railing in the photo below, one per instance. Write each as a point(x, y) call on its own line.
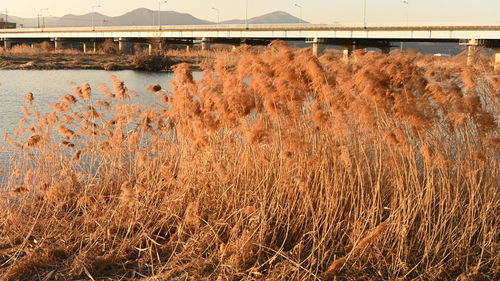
point(252, 27)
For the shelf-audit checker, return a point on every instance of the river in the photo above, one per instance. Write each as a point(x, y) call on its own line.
point(48, 86)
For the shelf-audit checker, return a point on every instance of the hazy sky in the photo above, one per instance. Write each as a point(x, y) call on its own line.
point(315, 11)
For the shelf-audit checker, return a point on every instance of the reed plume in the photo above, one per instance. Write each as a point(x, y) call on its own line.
point(274, 165)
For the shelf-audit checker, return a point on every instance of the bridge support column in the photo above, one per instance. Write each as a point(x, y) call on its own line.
point(235, 45)
point(7, 44)
point(471, 51)
point(150, 49)
point(318, 46)
point(496, 62)
point(471, 48)
point(346, 52)
point(125, 46)
point(188, 48)
point(58, 44)
point(84, 47)
point(205, 44)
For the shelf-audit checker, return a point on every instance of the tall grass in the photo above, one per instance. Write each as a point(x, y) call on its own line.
point(151, 62)
point(43, 48)
point(274, 166)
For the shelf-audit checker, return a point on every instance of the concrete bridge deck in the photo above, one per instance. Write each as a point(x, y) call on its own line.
point(284, 31)
point(318, 35)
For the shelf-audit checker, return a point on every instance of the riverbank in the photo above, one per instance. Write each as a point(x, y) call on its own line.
point(78, 60)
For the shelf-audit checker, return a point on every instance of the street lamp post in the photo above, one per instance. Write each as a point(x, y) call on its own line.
point(246, 14)
point(364, 15)
point(300, 12)
point(93, 7)
point(159, 13)
point(218, 14)
point(43, 18)
point(6, 15)
point(407, 12)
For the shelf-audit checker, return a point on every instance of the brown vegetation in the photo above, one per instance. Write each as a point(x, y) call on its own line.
point(43, 56)
point(108, 57)
point(157, 62)
point(273, 166)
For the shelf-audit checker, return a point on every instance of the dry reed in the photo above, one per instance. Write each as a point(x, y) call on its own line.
point(273, 166)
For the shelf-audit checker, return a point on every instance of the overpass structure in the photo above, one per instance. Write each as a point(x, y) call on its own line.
point(319, 36)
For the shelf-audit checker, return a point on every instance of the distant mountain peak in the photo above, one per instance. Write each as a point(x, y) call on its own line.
point(278, 12)
point(144, 16)
point(276, 17)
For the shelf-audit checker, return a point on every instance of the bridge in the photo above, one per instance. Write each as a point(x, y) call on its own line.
point(320, 36)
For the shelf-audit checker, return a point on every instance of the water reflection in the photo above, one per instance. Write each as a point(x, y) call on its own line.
point(48, 86)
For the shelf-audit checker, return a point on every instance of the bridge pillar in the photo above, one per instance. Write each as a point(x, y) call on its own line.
point(125, 46)
point(496, 62)
point(346, 52)
point(318, 46)
point(150, 49)
point(471, 48)
point(205, 44)
point(471, 51)
point(84, 47)
point(7, 44)
point(58, 44)
point(188, 48)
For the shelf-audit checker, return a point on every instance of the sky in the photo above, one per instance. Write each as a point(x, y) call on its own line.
point(378, 12)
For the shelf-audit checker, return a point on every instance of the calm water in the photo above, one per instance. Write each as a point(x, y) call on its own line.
point(48, 86)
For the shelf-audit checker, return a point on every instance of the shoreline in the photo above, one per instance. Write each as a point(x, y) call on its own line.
point(80, 61)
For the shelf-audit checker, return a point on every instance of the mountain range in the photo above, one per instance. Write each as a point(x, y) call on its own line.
point(141, 17)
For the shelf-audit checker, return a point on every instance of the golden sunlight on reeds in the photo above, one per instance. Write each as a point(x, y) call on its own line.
point(275, 165)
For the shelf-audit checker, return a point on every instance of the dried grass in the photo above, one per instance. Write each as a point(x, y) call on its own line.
point(274, 166)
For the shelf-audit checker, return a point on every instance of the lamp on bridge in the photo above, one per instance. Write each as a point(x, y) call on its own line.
point(407, 12)
point(40, 15)
point(218, 14)
point(300, 14)
point(159, 13)
point(93, 7)
point(364, 15)
point(246, 14)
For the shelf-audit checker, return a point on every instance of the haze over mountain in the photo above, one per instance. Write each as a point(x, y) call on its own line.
point(141, 17)
point(271, 18)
